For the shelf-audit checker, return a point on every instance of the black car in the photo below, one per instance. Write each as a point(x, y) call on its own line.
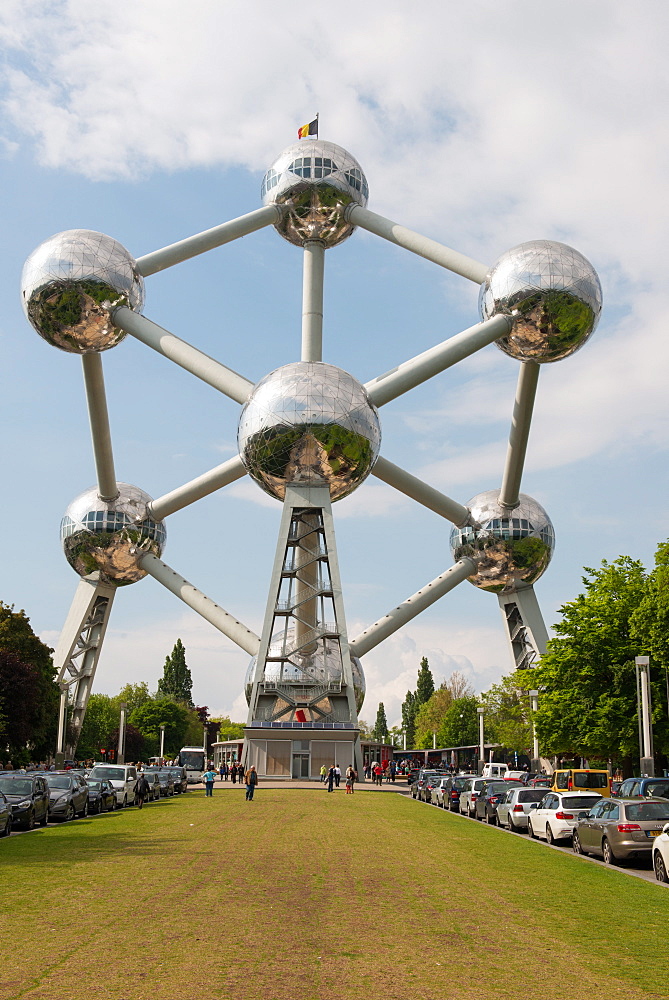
point(166, 781)
point(452, 791)
point(490, 796)
point(68, 795)
point(180, 778)
point(29, 798)
point(101, 795)
point(5, 816)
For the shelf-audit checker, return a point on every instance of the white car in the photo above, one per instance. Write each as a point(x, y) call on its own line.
point(555, 817)
point(122, 776)
point(469, 795)
point(661, 855)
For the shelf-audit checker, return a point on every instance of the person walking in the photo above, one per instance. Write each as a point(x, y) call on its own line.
point(251, 778)
point(141, 791)
point(209, 777)
point(221, 771)
point(233, 773)
point(331, 778)
point(337, 771)
point(324, 771)
point(350, 779)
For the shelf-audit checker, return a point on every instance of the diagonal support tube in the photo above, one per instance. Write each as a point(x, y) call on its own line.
point(205, 484)
point(459, 263)
point(312, 301)
point(421, 492)
point(150, 263)
point(99, 420)
point(413, 606)
point(183, 354)
point(520, 432)
point(200, 603)
point(424, 366)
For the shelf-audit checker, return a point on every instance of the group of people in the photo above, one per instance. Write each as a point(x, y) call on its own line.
point(250, 778)
point(377, 771)
point(331, 776)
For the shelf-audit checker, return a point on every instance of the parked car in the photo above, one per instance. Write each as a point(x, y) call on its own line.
point(661, 855)
point(122, 776)
point(647, 788)
point(582, 779)
point(448, 793)
point(618, 829)
point(469, 794)
point(68, 795)
point(166, 782)
point(421, 778)
point(512, 812)
point(541, 781)
point(429, 785)
point(154, 792)
point(28, 796)
point(180, 779)
point(555, 817)
point(439, 793)
point(492, 793)
point(101, 795)
point(5, 816)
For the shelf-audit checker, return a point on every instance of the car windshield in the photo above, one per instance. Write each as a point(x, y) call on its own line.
point(648, 811)
point(16, 786)
point(176, 774)
point(112, 773)
point(590, 779)
point(657, 789)
point(58, 781)
point(580, 801)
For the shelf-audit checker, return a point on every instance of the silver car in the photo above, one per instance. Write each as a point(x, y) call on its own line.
point(469, 795)
point(512, 813)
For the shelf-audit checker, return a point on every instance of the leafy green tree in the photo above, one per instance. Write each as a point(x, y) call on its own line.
point(409, 709)
point(425, 685)
point(100, 722)
point(587, 705)
point(459, 727)
point(366, 731)
point(430, 716)
point(508, 716)
point(133, 695)
point(227, 729)
point(149, 717)
point(176, 681)
point(381, 724)
point(29, 695)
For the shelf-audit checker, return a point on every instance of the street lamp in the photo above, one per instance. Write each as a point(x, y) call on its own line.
point(480, 712)
point(534, 705)
point(120, 753)
point(162, 742)
point(644, 708)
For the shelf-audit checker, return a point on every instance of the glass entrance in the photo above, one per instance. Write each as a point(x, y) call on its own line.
point(300, 765)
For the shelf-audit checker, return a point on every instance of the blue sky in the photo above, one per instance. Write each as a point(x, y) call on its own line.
point(481, 125)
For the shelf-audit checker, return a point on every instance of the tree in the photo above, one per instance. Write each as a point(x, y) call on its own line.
point(29, 695)
point(381, 725)
point(409, 709)
point(587, 706)
point(366, 731)
point(229, 730)
point(176, 681)
point(133, 695)
point(100, 722)
point(508, 715)
point(425, 685)
point(149, 717)
point(459, 727)
point(430, 716)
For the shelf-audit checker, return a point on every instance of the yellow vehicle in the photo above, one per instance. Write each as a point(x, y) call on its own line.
point(581, 779)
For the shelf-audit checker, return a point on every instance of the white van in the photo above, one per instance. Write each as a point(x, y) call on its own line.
point(122, 776)
point(495, 770)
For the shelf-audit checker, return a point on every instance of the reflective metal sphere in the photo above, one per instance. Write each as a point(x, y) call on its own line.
point(553, 294)
point(512, 548)
point(70, 285)
point(307, 669)
point(316, 181)
point(106, 539)
point(310, 424)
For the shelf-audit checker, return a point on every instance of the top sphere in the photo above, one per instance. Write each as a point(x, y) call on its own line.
point(72, 283)
point(315, 181)
point(512, 549)
point(553, 294)
point(309, 424)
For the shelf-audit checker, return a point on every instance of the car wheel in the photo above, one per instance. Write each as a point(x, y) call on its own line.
point(125, 802)
point(550, 839)
point(607, 853)
point(576, 845)
point(530, 830)
point(113, 804)
point(8, 828)
point(492, 820)
point(70, 814)
point(660, 868)
point(30, 822)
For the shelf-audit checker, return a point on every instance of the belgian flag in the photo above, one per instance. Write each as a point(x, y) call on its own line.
point(307, 130)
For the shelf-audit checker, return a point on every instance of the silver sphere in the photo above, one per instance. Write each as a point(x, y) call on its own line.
point(72, 283)
point(306, 669)
point(105, 539)
point(553, 294)
point(316, 181)
point(309, 424)
point(512, 548)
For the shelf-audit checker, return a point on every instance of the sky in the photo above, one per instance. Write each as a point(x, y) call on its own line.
point(481, 125)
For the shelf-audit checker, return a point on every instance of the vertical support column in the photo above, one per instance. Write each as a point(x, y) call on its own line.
point(312, 301)
point(534, 705)
point(647, 757)
point(99, 419)
point(306, 579)
point(62, 715)
point(120, 753)
point(480, 712)
point(524, 627)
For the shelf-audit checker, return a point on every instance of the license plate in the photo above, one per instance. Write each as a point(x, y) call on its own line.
point(653, 833)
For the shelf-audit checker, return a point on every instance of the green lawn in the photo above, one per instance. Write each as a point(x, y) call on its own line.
point(302, 895)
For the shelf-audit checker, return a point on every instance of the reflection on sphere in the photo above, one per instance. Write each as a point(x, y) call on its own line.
point(553, 294)
point(316, 181)
point(304, 670)
point(72, 283)
point(512, 549)
point(310, 424)
point(106, 539)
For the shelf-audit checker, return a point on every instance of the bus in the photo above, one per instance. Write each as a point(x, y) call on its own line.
point(195, 761)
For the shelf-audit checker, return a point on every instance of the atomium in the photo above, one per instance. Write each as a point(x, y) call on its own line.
point(512, 549)
point(553, 294)
point(318, 668)
point(311, 424)
point(105, 540)
point(315, 181)
point(72, 283)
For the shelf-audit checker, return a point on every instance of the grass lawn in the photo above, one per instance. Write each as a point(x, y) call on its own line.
point(302, 895)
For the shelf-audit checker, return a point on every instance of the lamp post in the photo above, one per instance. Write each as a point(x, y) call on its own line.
point(204, 746)
point(534, 705)
point(644, 707)
point(162, 742)
point(120, 753)
point(480, 712)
